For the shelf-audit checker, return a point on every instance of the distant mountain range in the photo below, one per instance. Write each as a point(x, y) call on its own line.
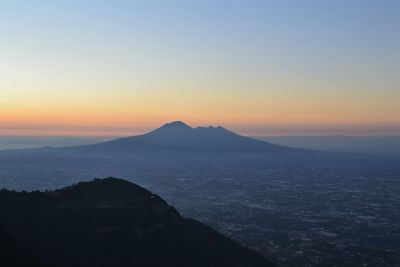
point(108, 222)
point(180, 136)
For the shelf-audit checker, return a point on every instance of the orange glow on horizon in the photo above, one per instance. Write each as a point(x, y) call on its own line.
point(92, 123)
point(131, 73)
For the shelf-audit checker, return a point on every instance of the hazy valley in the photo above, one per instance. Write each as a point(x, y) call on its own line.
point(299, 208)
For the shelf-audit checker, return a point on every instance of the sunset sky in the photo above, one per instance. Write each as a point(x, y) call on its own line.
point(258, 67)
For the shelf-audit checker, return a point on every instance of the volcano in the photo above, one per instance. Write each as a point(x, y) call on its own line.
point(178, 135)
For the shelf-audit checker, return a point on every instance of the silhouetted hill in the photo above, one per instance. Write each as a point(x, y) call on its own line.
point(179, 136)
point(108, 222)
point(13, 256)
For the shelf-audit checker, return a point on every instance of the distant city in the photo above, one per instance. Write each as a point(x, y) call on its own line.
point(297, 207)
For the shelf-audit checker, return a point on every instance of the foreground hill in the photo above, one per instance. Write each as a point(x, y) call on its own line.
point(108, 222)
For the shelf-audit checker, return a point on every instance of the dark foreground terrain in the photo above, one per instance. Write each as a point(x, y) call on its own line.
point(108, 222)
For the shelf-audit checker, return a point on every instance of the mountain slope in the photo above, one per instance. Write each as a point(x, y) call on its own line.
point(179, 136)
point(110, 222)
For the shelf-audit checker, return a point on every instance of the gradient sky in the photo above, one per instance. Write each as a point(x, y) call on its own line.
point(258, 67)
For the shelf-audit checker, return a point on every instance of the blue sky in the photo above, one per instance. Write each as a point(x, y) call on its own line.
point(325, 66)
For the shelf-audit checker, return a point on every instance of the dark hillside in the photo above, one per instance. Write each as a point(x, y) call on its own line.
point(109, 222)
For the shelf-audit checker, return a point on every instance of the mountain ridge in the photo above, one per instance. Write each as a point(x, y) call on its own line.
point(179, 136)
point(122, 223)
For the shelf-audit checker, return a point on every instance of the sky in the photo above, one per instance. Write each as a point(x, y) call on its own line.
point(120, 67)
